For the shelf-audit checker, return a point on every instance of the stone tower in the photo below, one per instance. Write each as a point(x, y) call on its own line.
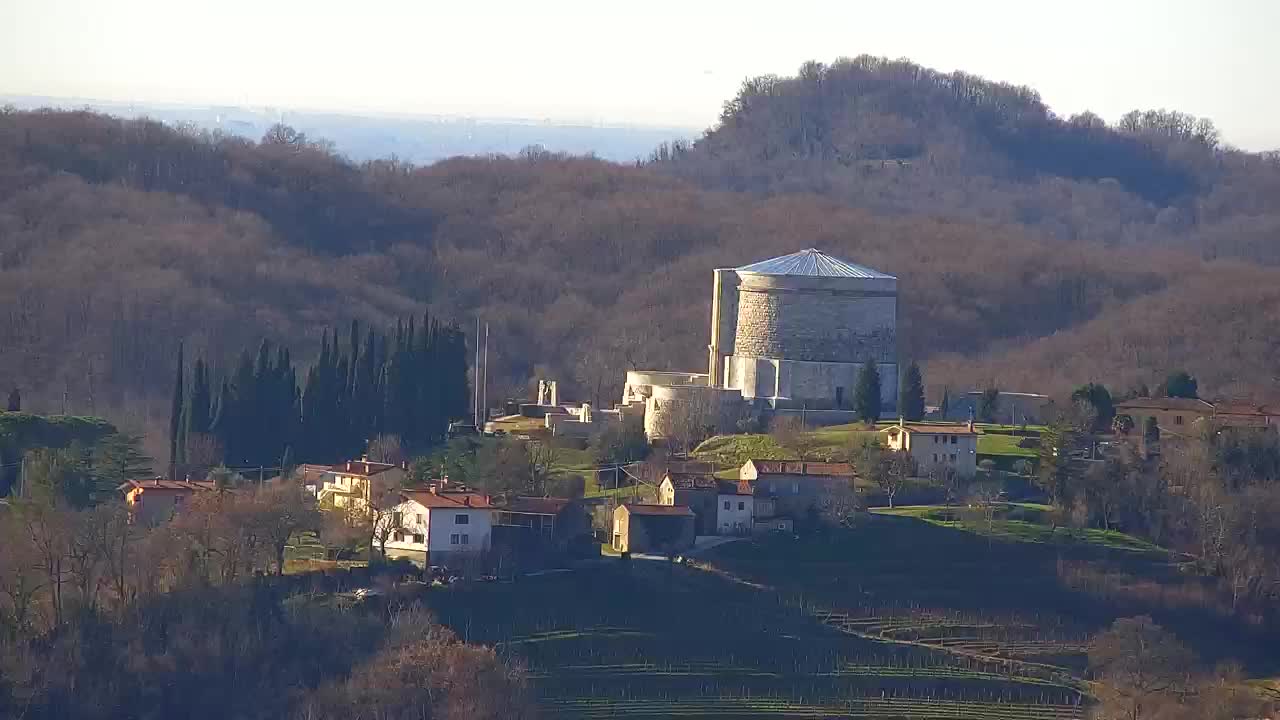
point(795, 330)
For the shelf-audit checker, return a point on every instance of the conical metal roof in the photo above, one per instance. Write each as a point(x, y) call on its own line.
point(813, 263)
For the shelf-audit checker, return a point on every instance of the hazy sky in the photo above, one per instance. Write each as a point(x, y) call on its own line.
point(652, 62)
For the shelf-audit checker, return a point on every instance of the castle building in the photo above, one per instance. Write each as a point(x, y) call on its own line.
point(787, 334)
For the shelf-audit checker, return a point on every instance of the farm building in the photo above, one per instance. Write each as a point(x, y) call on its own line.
point(536, 529)
point(793, 488)
point(697, 491)
point(652, 528)
point(936, 448)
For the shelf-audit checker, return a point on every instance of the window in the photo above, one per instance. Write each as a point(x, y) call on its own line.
point(955, 439)
point(953, 457)
point(420, 520)
point(453, 539)
point(419, 538)
point(461, 519)
point(795, 488)
point(726, 504)
point(466, 539)
point(1177, 420)
point(935, 457)
point(397, 519)
point(742, 505)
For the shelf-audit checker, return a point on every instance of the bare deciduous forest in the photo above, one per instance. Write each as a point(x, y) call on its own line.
point(1035, 252)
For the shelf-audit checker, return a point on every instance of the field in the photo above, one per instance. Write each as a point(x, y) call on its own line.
point(904, 616)
point(995, 444)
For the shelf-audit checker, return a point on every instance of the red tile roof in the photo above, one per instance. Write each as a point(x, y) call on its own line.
point(788, 467)
point(658, 510)
point(449, 500)
point(692, 481)
point(361, 467)
point(734, 487)
point(1241, 407)
point(537, 505)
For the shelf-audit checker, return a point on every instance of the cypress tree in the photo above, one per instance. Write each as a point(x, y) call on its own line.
point(866, 397)
point(220, 426)
point(200, 404)
point(175, 416)
point(911, 394)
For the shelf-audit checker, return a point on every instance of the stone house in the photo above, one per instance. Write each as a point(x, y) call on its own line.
point(794, 488)
point(652, 528)
point(936, 448)
point(697, 491)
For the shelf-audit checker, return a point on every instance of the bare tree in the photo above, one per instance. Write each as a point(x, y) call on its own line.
point(789, 432)
point(1137, 662)
point(386, 449)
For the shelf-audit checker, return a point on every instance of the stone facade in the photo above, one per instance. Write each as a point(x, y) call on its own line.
point(816, 325)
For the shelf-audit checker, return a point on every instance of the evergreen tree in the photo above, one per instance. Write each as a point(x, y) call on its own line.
point(15, 401)
point(200, 405)
point(866, 396)
point(945, 407)
point(911, 394)
point(1180, 384)
point(175, 417)
point(989, 405)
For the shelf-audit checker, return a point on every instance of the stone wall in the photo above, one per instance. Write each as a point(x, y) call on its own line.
point(816, 325)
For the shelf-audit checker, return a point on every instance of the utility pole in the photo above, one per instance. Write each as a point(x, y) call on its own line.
point(475, 379)
point(484, 391)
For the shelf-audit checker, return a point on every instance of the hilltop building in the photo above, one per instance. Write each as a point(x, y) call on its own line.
point(937, 447)
point(787, 334)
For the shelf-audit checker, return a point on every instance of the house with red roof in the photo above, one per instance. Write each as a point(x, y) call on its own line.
point(438, 528)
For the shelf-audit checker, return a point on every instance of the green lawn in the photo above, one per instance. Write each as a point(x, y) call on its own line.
point(1003, 445)
point(1023, 522)
point(732, 451)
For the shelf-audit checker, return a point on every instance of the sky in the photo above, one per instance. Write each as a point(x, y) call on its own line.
point(658, 62)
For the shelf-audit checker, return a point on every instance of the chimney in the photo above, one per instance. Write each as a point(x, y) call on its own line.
point(901, 422)
point(468, 500)
point(156, 481)
point(434, 490)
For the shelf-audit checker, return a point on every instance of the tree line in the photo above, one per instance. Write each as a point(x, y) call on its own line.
point(408, 384)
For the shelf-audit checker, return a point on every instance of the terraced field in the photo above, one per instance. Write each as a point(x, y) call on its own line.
point(898, 618)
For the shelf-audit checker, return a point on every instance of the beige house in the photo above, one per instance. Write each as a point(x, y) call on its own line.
point(439, 528)
point(1177, 415)
point(936, 448)
point(735, 508)
point(652, 528)
point(155, 501)
point(354, 483)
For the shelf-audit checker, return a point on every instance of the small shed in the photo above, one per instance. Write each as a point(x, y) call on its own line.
point(652, 528)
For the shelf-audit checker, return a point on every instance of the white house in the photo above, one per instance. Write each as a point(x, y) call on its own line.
point(735, 508)
point(937, 448)
point(439, 527)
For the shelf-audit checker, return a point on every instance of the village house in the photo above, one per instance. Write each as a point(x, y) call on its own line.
point(652, 528)
point(538, 528)
point(697, 491)
point(438, 528)
point(795, 489)
point(155, 501)
point(735, 508)
point(354, 483)
point(936, 448)
point(1176, 416)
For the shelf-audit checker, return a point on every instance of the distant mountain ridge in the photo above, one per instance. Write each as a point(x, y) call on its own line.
point(419, 139)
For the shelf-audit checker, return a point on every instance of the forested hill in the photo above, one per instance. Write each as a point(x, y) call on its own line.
point(119, 238)
point(896, 137)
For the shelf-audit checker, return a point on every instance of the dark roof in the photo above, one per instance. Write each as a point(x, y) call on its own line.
point(933, 429)
point(1165, 403)
point(449, 500)
point(537, 505)
point(658, 510)
point(1241, 407)
point(733, 487)
point(790, 467)
point(692, 481)
point(163, 484)
point(812, 263)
